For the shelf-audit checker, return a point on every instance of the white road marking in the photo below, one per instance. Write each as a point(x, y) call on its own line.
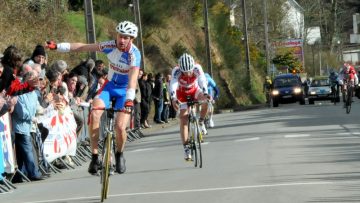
point(247, 139)
point(142, 150)
point(191, 191)
point(205, 143)
point(297, 135)
point(348, 133)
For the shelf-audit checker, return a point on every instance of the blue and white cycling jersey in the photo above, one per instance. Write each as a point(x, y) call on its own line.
point(120, 62)
point(118, 75)
point(213, 90)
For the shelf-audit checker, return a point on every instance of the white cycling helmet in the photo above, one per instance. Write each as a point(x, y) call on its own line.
point(127, 28)
point(186, 63)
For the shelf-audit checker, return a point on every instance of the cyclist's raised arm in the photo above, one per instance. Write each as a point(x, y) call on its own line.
point(68, 47)
point(84, 47)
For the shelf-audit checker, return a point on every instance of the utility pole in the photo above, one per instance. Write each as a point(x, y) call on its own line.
point(246, 43)
point(266, 30)
point(139, 40)
point(90, 26)
point(207, 38)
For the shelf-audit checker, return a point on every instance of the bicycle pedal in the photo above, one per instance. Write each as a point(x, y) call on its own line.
point(96, 174)
point(188, 160)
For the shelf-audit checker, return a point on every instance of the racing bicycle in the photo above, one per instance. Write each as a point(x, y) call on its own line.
point(195, 134)
point(348, 94)
point(108, 147)
point(334, 92)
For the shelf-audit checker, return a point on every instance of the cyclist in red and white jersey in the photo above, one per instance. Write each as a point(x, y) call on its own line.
point(349, 73)
point(188, 79)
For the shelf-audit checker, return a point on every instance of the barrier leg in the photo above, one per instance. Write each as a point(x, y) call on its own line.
point(8, 184)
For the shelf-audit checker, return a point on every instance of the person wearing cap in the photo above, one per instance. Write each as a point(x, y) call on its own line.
point(60, 66)
point(124, 63)
point(38, 56)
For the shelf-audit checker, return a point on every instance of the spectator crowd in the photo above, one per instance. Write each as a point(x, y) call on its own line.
point(29, 85)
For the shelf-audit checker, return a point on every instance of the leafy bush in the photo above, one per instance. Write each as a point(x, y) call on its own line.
point(179, 49)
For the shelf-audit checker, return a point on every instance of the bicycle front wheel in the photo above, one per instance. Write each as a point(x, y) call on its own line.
point(192, 134)
point(349, 100)
point(199, 135)
point(105, 172)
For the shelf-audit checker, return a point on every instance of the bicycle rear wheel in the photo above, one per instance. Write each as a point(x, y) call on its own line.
point(105, 172)
point(349, 100)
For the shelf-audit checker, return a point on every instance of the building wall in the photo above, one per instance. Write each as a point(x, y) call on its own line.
point(293, 24)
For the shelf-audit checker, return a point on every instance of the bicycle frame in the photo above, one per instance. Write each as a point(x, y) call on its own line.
point(108, 149)
point(195, 134)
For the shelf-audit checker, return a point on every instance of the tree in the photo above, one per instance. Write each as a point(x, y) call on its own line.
point(288, 60)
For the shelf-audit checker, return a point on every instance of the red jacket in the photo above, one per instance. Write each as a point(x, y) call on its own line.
point(17, 88)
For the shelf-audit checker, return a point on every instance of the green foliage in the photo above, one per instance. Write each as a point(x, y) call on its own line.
point(178, 49)
point(288, 60)
point(151, 49)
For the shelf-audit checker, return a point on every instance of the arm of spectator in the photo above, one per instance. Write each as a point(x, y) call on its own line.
point(21, 110)
point(18, 88)
point(6, 78)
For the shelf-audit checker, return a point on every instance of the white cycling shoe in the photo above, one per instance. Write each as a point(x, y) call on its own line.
point(211, 123)
point(187, 153)
point(203, 128)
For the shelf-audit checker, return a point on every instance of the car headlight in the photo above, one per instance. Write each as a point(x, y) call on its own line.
point(312, 92)
point(297, 90)
point(275, 92)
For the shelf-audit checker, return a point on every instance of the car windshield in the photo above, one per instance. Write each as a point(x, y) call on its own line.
point(320, 83)
point(286, 82)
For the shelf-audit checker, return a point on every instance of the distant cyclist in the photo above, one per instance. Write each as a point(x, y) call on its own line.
point(124, 58)
point(213, 91)
point(188, 79)
point(267, 87)
point(334, 81)
point(348, 75)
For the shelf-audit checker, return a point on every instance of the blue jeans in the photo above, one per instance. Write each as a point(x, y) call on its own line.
point(158, 109)
point(25, 156)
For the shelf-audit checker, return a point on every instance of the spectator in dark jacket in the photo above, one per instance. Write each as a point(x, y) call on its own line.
point(145, 89)
point(158, 98)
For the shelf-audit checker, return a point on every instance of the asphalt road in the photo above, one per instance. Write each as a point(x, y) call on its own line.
point(293, 153)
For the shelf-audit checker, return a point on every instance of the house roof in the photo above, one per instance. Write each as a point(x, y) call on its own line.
point(295, 4)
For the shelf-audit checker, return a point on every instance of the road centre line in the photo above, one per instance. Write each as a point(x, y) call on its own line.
point(349, 133)
point(193, 190)
point(247, 139)
point(142, 150)
point(296, 135)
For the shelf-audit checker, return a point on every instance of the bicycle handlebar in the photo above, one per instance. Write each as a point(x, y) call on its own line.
point(107, 109)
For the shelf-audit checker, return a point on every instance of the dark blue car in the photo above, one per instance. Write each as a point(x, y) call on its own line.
point(287, 88)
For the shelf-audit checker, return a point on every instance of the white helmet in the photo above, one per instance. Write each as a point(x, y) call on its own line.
point(186, 63)
point(127, 28)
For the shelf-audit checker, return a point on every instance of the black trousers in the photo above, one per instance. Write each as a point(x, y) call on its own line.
point(145, 108)
point(137, 115)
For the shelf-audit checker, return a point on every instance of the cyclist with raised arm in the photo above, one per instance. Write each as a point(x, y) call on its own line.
point(213, 91)
point(188, 79)
point(124, 58)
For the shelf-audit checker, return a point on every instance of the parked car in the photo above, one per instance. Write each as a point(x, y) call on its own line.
point(320, 89)
point(287, 88)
